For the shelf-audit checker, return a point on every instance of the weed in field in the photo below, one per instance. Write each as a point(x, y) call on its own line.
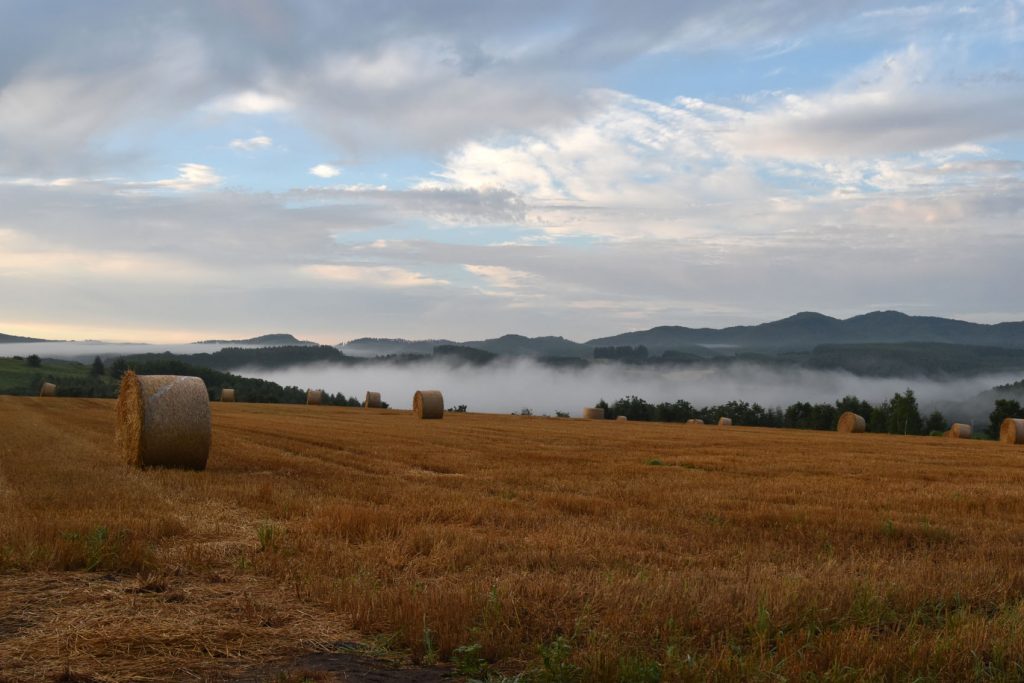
point(639, 669)
point(268, 536)
point(468, 660)
point(557, 664)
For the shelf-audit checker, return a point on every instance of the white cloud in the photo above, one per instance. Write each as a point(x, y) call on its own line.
point(325, 171)
point(251, 144)
point(249, 102)
point(190, 177)
point(371, 276)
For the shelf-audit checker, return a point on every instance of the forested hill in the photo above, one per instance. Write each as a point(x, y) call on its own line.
point(808, 330)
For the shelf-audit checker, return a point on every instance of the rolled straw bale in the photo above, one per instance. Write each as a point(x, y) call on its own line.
point(163, 421)
point(314, 397)
point(622, 418)
point(851, 423)
point(593, 413)
point(48, 389)
point(695, 421)
point(725, 422)
point(227, 395)
point(959, 431)
point(1012, 431)
point(428, 405)
point(372, 399)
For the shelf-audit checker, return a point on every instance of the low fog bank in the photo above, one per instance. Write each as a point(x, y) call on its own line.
point(511, 386)
point(87, 350)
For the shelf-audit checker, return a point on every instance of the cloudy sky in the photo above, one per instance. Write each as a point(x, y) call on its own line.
point(463, 169)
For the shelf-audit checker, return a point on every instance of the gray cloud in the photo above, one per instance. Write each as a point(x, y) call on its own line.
point(369, 75)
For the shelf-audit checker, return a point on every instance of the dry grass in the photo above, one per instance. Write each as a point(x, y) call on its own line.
point(739, 553)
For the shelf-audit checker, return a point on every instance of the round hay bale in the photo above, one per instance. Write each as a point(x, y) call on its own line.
point(372, 400)
point(1012, 431)
point(593, 413)
point(314, 397)
point(227, 395)
point(622, 418)
point(725, 422)
point(428, 405)
point(851, 423)
point(48, 389)
point(695, 421)
point(163, 421)
point(959, 431)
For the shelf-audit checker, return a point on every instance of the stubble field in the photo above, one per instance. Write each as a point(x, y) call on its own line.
point(566, 549)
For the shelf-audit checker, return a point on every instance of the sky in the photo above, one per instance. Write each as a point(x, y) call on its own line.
point(464, 169)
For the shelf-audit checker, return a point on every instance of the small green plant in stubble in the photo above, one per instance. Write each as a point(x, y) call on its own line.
point(269, 536)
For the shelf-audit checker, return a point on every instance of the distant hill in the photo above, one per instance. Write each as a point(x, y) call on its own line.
point(913, 359)
point(14, 339)
point(374, 346)
point(800, 332)
point(264, 340)
point(805, 331)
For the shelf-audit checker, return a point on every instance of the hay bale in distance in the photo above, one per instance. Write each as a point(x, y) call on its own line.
point(314, 397)
point(428, 404)
point(227, 395)
point(851, 423)
point(593, 413)
point(622, 418)
point(163, 421)
point(1012, 431)
point(372, 400)
point(725, 422)
point(959, 431)
point(48, 389)
point(695, 421)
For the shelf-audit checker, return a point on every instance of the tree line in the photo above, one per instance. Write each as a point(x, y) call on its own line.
point(897, 415)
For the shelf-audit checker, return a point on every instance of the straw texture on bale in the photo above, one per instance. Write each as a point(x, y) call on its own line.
point(1012, 431)
point(428, 404)
point(851, 423)
point(695, 421)
point(959, 431)
point(372, 399)
point(163, 421)
point(227, 395)
point(725, 422)
point(622, 418)
point(48, 389)
point(314, 397)
point(593, 413)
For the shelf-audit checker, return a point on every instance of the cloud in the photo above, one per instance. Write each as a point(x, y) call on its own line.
point(249, 102)
point(425, 77)
point(325, 171)
point(371, 276)
point(251, 144)
point(191, 177)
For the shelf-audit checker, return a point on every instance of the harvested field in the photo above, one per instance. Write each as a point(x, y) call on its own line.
point(621, 554)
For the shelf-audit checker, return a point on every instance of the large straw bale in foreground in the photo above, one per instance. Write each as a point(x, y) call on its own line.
point(593, 413)
point(1012, 431)
point(725, 422)
point(163, 421)
point(959, 430)
point(851, 423)
point(314, 397)
point(372, 400)
point(622, 418)
point(48, 389)
point(428, 405)
point(227, 395)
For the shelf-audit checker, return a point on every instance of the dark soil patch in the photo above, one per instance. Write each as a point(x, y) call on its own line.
point(347, 666)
